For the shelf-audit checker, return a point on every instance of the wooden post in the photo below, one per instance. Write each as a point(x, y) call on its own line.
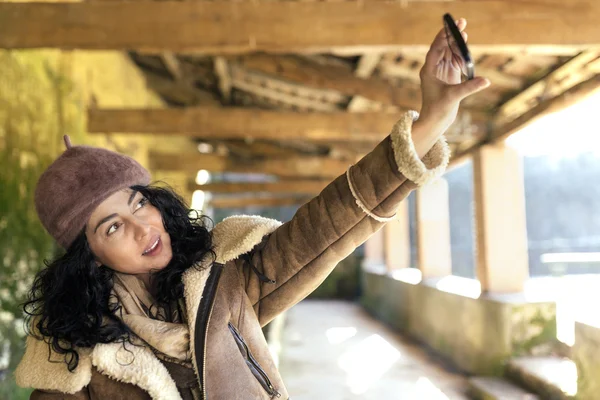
point(502, 258)
point(397, 240)
point(433, 230)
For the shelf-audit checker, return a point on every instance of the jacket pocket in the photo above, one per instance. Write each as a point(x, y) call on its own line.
point(251, 362)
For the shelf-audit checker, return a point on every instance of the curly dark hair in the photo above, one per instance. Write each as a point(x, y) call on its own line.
point(68, 305)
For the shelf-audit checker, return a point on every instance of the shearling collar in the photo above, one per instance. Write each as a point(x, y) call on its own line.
point(232, 237)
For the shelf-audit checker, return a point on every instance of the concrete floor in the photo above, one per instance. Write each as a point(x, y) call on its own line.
point(333, 350)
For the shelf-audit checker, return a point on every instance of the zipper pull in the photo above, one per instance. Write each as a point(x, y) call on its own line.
point(275, 392)
point(262, 277)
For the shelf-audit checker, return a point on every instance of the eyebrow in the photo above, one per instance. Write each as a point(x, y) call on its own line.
point(131, 197)
point(111, 216)
point(103, 220)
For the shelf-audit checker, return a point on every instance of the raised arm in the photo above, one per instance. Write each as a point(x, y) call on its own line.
point(300, 254)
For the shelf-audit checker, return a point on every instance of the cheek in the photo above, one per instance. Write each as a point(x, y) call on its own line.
point(155, 218)
point(118, 256)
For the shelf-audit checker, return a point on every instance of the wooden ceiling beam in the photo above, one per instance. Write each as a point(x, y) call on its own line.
point(242, 202)
point(289, 167)
point(239, 123)
point(226, 27)
point(311, 187)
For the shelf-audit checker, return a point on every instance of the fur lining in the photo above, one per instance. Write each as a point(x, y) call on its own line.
point(136, 365)
point(239, 234)
point(193, 285)
point(37, 372)
point(419, 171)
point(232, 237)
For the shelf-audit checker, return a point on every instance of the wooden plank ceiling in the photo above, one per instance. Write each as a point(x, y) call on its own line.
point(302, 89)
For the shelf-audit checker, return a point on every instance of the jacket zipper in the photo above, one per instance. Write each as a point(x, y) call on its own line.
point(266, 382)
point(204, 313)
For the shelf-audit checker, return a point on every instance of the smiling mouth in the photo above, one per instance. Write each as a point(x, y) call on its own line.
point(152, 247)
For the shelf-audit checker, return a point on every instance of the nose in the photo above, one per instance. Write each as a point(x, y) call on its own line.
point(141, 229)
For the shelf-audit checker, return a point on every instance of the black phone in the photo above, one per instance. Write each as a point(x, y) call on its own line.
point(458, 46)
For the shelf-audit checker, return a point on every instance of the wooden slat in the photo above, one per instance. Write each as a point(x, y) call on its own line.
point(289, 93)
point(229, 27)
point(214, 122)
point(291, 167)
point(222, 71)
point(172, 64)
point(292, 187)
point(343, 80)
point(367, 65)
point(257, 202)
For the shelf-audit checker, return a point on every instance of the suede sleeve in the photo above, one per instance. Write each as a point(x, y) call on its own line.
point(301, 253)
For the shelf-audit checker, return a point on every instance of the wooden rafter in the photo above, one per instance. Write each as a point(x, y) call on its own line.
point(291, 187)
point(557, 103)
point(222, 70)
point(578, 69)
point(172, 64)
point(180, 92)
point(220, 123)
point(343, 80)
point(289, 167)
point(227, 27)
point(293, 94)
point(367, 65)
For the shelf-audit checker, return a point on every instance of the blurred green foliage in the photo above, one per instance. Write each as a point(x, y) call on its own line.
point(37, 107)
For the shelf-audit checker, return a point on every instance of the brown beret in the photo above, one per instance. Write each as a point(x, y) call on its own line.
point(77, 182)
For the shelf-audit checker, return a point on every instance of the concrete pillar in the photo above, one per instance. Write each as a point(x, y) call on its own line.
point(433, 230)
point(374, 250)
point(397, 240)
point(502, 259)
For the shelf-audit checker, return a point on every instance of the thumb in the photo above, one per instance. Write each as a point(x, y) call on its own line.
point(470, 87)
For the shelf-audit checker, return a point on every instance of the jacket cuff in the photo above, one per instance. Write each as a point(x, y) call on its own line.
point(362, 206)
point(419, 171)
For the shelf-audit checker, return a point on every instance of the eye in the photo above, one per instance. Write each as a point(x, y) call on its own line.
point(112, 228)
point(143, 201)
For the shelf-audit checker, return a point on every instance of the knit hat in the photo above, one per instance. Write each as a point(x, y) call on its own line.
point(77, 182)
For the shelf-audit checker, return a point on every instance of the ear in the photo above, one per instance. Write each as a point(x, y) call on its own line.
point(98, 263)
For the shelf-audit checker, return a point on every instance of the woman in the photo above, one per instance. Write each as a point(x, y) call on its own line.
point(148, 302)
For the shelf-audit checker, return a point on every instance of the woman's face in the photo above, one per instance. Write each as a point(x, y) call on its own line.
point(126, 234)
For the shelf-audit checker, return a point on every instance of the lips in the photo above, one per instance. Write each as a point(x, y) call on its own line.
point(152, 245)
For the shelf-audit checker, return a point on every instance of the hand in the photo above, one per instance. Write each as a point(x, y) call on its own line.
point(441, 87)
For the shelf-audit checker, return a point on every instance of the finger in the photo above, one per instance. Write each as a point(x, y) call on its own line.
point(436, 51)
point(461, 24)
point(468, 88)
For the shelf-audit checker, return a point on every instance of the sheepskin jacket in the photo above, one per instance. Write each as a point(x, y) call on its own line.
point(262, 268)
